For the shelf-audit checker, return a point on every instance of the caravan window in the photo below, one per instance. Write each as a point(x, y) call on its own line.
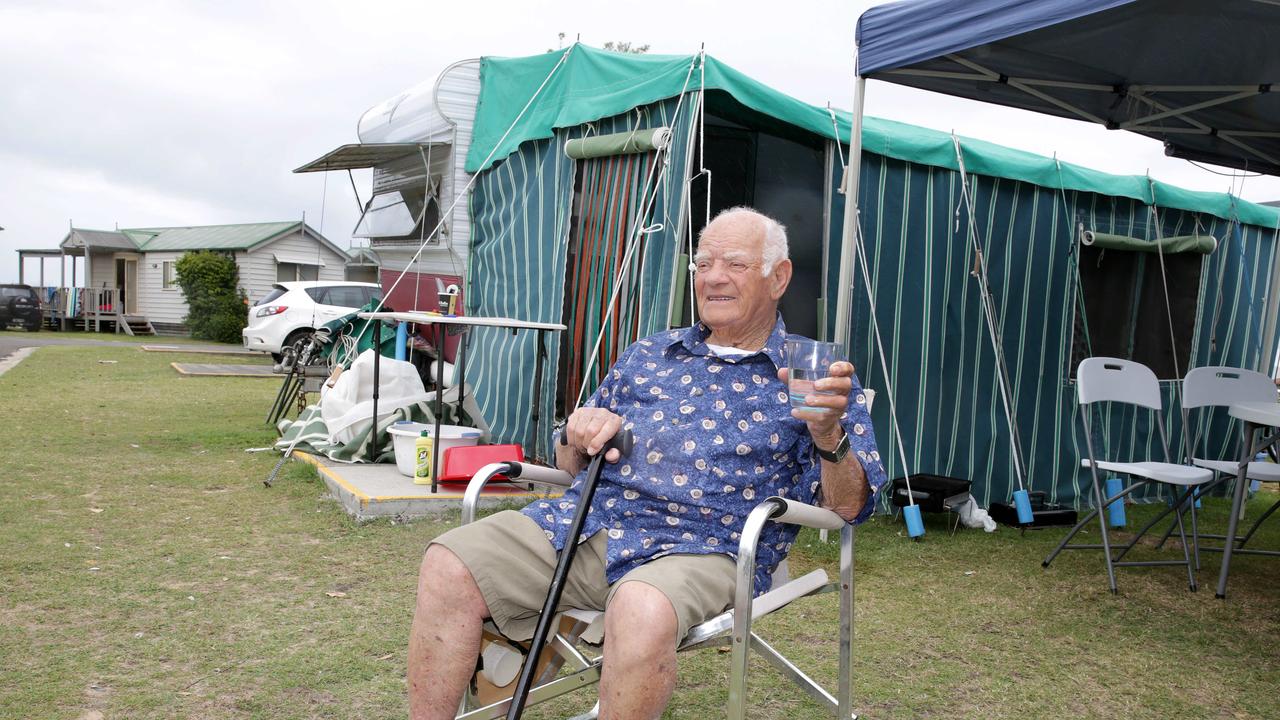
point(406, 215)
point(1121, 311)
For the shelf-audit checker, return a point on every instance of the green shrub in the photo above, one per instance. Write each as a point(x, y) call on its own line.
point(216, 305)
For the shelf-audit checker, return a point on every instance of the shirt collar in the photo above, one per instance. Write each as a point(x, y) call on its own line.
point(694, 339)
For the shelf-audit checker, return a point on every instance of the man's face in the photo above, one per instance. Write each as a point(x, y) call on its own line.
point(731, 291)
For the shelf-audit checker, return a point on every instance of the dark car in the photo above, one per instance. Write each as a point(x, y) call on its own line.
point(19, 305)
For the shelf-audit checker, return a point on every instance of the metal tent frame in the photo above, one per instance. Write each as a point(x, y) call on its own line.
point(1197, 76)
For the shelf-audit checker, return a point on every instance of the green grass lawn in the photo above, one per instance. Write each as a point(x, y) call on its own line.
point(148, 573)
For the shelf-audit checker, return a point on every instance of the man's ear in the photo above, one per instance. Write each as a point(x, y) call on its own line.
point(779, 279)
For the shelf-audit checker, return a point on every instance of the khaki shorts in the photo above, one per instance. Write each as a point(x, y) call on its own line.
point(512, 563)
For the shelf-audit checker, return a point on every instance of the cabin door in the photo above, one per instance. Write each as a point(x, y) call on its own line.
point(127, 284)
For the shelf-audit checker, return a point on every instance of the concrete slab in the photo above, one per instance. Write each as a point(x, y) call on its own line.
point(202, 350)
point(224, 370)
point(374, 491)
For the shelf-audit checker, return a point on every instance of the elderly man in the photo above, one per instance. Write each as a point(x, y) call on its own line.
point(715, 434)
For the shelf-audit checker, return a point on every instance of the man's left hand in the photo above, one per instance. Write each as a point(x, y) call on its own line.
point(824, 408)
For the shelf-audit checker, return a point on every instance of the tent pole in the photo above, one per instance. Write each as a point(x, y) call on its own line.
point(844, 287)
point(1021, 498)
point(852, 248)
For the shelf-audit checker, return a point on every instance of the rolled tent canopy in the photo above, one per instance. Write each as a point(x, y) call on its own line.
point(623, 143)
point(1196, 75)
point(1202, 244)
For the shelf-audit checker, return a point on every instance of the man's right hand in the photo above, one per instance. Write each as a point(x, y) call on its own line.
point(588, 429)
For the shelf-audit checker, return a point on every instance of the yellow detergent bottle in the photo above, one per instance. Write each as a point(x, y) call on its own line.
point(422, 449)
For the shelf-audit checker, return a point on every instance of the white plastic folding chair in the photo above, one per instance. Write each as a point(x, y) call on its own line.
point(579, 633)
point(1103, 379)
point(1221, 386)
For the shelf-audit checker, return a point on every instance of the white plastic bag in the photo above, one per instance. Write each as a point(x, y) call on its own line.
point(348, 406)
point(975, 517)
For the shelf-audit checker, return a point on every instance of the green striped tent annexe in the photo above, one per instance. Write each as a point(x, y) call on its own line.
point(941, 362)
point(940, 358)
point(521, 210)
point(519, 221)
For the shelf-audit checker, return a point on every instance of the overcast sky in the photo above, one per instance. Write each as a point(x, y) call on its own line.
point(149, 113)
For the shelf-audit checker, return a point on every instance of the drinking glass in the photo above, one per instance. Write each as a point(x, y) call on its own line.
point(808, 361)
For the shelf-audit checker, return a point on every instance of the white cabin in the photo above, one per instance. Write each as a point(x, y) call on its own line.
point(130, 283)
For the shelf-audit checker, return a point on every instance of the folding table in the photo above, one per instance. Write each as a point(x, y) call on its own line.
point(440, 324)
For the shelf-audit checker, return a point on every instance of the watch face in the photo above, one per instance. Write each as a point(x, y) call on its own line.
point(837, 453)
point(843, 448)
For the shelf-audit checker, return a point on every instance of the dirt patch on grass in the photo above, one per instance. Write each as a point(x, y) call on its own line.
point(95, 700)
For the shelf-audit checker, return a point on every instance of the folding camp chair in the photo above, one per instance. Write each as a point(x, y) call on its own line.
point(1219, 386)
point(580, 632)
point(1103, 379)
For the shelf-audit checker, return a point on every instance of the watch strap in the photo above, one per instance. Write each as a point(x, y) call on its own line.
point(837, 453)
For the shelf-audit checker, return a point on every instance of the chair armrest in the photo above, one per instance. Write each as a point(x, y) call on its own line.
point(797, 513)
point(775, 509)
point(527, 472)
point(541, 475)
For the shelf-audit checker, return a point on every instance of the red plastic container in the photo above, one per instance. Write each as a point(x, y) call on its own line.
point(460, 463)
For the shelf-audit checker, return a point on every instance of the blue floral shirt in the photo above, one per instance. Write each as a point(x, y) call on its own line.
point(714, 437)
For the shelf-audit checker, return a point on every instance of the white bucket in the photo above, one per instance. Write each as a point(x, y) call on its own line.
point(405, 434)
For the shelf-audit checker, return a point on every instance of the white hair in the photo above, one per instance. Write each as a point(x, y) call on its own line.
point(774, 249)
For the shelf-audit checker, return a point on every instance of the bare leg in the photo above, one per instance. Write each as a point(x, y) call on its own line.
point(639, 654)
point(445, 638)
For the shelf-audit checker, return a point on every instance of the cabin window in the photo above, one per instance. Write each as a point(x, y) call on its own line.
point(1121, 311)
point(288, 272)
point(408, 215)
point(168, 276)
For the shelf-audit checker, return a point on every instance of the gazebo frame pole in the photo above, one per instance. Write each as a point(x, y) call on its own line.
point(848, 253)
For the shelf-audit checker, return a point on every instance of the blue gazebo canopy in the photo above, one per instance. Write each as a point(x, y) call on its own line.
point(1196, 75)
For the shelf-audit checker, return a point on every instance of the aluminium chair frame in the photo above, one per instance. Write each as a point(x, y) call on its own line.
point(1102, 501)
point(729, 628)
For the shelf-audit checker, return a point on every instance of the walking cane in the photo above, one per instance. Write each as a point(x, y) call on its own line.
point(623, 441)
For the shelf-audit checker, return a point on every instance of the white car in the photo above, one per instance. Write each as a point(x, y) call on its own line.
point(292, 310)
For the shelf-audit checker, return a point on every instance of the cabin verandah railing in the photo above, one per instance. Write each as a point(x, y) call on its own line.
point(90, 309)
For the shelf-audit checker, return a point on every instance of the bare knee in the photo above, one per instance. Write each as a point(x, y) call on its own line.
point(444, 582)
point(641, 617)
point(640, 649)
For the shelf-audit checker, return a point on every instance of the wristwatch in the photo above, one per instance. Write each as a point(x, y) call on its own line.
point(837, 454)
